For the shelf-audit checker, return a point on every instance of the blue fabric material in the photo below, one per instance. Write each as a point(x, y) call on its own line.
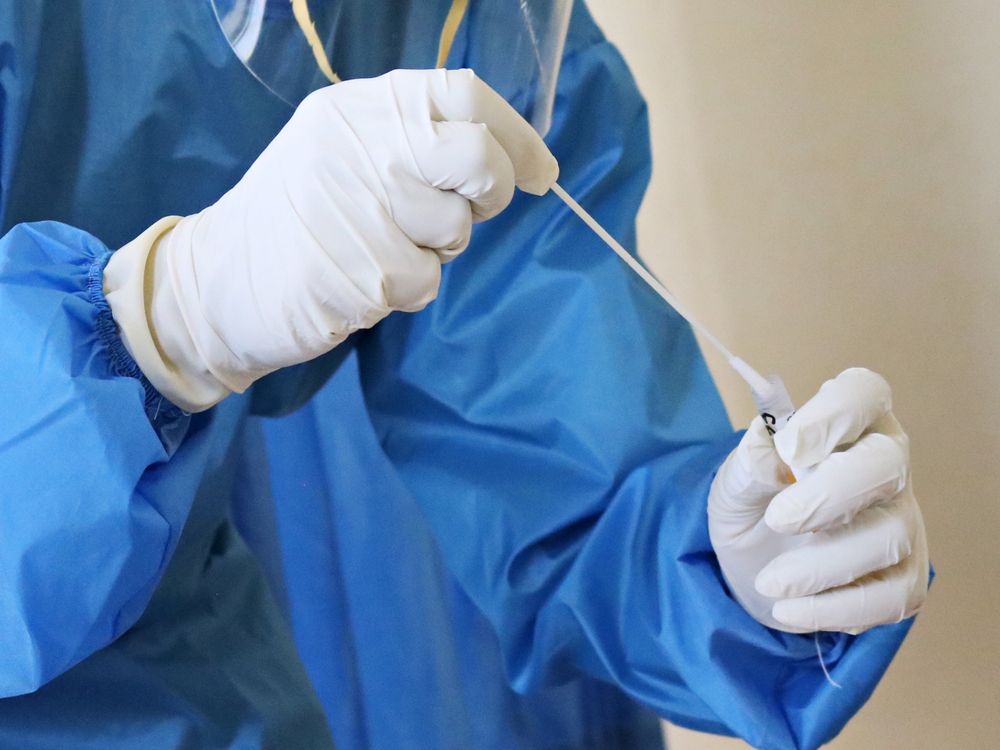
point(481, 526)
point(131, 632)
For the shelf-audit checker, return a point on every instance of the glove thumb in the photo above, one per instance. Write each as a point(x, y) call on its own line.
point(746, 483)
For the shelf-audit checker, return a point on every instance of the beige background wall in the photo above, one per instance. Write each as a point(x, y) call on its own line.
point(826, 193)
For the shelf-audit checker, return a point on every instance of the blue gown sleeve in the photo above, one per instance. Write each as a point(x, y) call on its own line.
point(82, 540)
point(559, 429)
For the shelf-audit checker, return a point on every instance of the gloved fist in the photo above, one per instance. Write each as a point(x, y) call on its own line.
point(346, 216)
point(842, 549)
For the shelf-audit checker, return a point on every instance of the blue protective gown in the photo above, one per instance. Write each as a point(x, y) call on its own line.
point(480, 526)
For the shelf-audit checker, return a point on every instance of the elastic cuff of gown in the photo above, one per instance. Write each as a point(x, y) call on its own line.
point(157, 406)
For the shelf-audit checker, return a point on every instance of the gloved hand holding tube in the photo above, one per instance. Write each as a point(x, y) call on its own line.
point(843, 549)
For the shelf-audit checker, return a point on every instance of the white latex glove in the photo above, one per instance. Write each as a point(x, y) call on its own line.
point(843, 549)
point(346, 216)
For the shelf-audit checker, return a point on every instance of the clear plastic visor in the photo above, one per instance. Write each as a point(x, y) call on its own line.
point(296, 46)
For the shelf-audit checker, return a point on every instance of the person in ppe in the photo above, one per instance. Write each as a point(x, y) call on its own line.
point(259, 492)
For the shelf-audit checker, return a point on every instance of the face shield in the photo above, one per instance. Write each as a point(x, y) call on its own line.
point(296, 46)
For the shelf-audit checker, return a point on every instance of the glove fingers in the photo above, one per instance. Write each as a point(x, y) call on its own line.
point(878, 538)
point(437, 220)
point(386, 266)
point(879, 598)
point(460, 96)
point(872, 470)
point(837, 415)
point(407, 277)
point(466, 158)
point(413, 291)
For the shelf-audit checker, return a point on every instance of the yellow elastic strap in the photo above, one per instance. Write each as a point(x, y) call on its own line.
point(300, 9)
point(451, 23)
